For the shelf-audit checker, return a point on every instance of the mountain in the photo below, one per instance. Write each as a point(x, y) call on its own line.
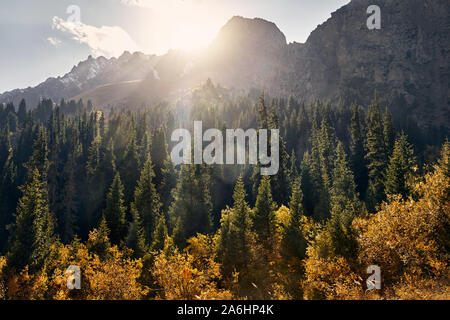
point(407, 62)
point(87, 75)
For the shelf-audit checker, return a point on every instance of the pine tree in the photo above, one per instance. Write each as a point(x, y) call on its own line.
point(344, 207)
point(146, 200)
point(22, 113)
point(135, 238)
point(294, 243)
point(389, 133)
point(357, 154)
point(98, 241)
point(130, 168)
point(376, 156)
point(191, 208)
point(115, 210)
point(263, 217)
point(234, 236)
point(33, 234)
point(160, 234)
point(67, 222)
point(400, 169)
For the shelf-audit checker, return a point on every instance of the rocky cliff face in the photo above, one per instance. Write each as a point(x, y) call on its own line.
point(407, 62)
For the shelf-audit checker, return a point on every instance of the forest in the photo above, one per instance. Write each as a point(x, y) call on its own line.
point(96, 188)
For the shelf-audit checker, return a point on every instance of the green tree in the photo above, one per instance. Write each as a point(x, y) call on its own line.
point(160, 234)
point(357, 153)
point(135, 238)
point(115, 210)
point(146, 200)
point(234, 236)
point(294, 242)
point(191, 208)
point(33, 234)
point(400, 169)
point(344, 207)
point(263, 217)
point(376, 156)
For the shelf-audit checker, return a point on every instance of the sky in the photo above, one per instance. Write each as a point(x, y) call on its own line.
point(46, 38)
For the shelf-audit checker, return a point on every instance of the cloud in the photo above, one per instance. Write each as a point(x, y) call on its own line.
point(54, 41)
point(108, 41)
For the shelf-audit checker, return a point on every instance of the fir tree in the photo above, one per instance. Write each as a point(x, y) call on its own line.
point(191, 209)
point(160, 234)
point(400, 169)
point(388, 132)
point(146, 200)
point(376, 156)
point(135, 239)
point(263, 217)
point(344, 207)
point(294, 243)
point(115, 210)
point(357, 154)
point(234, 236)
point(130, 168)
point(33, 234)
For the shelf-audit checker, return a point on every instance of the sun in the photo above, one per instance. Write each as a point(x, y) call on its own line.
point(188, 24)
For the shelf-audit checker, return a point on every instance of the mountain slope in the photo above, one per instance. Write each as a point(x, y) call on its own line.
point(407, 62)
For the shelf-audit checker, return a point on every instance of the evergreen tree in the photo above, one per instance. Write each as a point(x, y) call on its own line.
point(376, 156)
point(263, 217)
point(135, 238)
point(146, 200)
point(388, 132)
point(115, 210)
point(130, 168)
point(400, 169)
point(33, 234)
point(344, 207)
point(160, 234)
point(294, 243)
point(357, 154)
point(191, 209)
point(22, 113)
point(234, 236)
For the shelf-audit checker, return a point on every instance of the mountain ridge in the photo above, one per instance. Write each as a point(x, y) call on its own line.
point(406, 62)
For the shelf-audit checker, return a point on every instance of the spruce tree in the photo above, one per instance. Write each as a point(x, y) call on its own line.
point(130, 168)
point(191, 209)
point(234, 236)
point(135, 239)
point(263, 217)
point(357, 154)
point(146, 200)
point(160, 234)
point(376, 156)
point(294, 243)
point(33, 233)
point(400, 169)
point(389, 132)
point(115, 211)
point(344, 207)
point(22, 113)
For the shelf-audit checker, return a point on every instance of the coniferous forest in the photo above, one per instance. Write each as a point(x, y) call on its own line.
point(96, 188)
